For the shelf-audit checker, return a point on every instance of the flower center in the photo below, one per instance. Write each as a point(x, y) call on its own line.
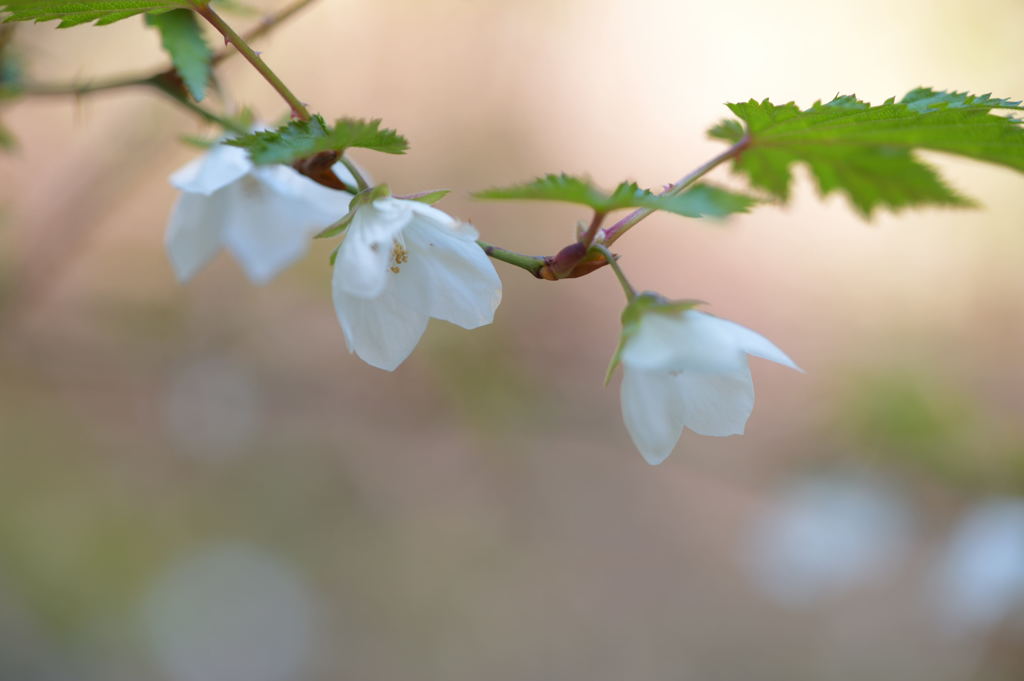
point(399, 256)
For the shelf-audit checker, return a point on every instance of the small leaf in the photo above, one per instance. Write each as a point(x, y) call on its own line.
point(866, 152)
point(299, 139)
point(74, 12)
point(699, 201)
point(183, 40)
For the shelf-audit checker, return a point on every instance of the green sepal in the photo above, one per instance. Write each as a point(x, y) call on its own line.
point(182, 39)
point(866, 152)
point(429, 198)
point(337, 228)
point(75, 12)
point(334, 255)
point(361, 199)
point(632, 315)
point(698, 201)
point(299, 139)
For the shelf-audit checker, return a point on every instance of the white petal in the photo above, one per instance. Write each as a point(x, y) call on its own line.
point(690, 341)
point(361, 268)
point(219, 167)
point(287, 181)
point(435, 215)
point(267, 229)
point(653, 346)
point(653, 412)
point(716, 404)
point(382, 331)
point(757, 345)
point(194, 232)
point(447, 275)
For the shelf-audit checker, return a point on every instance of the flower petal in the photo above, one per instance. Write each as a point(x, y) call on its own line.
point(268, 229)
point(195, 232)
point(716, 404)
point(447, 274)
point(689, 341)
point(653, 411)
point(381, 331)
point(757, 345)
point(217, 168)
point(361, 268)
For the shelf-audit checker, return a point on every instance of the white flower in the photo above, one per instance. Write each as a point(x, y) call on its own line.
point(683, 368)
point(264, 215)
point(401, 263)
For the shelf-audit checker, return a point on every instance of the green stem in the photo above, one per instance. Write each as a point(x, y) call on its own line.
point(530, 263)
point(352, 168)
point(265, 26)
point(299, 109)
point(627, 288)
point(625, 224)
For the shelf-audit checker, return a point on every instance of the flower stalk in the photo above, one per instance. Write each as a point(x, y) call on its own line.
point(531, 263)
point(613, 262)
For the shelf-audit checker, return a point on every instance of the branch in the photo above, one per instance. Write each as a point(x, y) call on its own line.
point(299, 109)
point(78, 89)
point(625, 224)
point(531, 263)
point(268, 23)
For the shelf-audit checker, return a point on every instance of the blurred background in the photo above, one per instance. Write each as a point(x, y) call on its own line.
point(199, 483)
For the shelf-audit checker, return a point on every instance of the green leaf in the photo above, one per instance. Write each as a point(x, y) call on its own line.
point(299, 139)
point(866, 152)
point(74, 12)
point(7, 141)
point(183, 41)
point(698, 201)
point(553, 188)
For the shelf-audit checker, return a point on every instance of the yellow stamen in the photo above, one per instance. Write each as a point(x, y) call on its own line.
point(399, 256)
